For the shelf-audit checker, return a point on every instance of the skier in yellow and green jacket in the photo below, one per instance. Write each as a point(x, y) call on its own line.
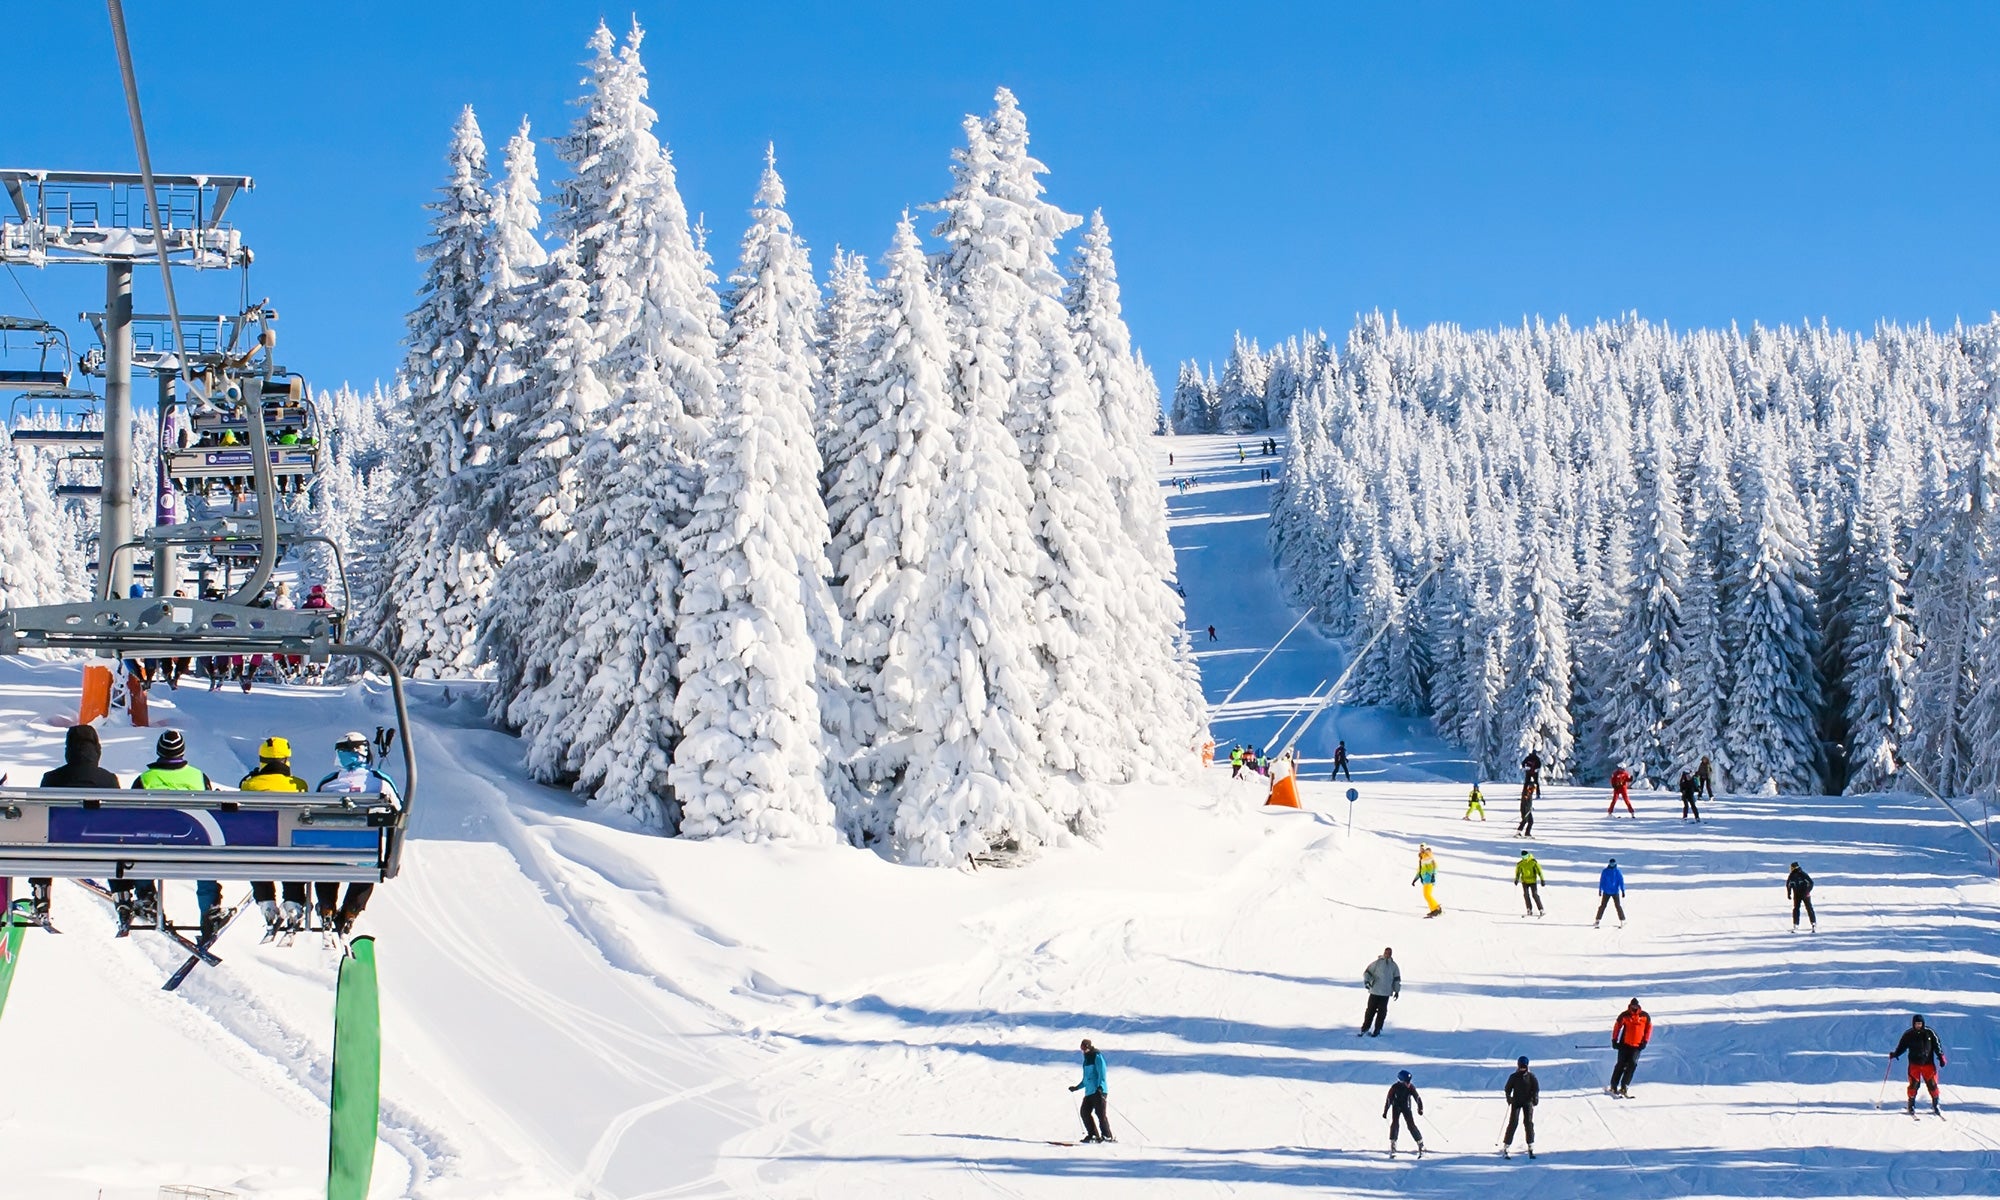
point(1427, 874)
point(1528, 873)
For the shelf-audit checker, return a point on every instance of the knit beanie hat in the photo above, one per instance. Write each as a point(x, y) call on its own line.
point(170, 746)
point(1522, 1062)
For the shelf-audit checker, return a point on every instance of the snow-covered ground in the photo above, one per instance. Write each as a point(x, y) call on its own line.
point(575, 1008)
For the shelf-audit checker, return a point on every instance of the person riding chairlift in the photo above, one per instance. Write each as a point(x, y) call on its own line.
point(356, 776)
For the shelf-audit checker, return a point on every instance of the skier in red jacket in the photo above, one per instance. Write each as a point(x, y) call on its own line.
point(1621, 789)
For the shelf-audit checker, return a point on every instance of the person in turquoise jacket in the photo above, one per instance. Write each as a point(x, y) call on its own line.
point(1610, 890)
point(1096, 1097)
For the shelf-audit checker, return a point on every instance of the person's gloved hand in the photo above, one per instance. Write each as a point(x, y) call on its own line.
point(1077, 1087)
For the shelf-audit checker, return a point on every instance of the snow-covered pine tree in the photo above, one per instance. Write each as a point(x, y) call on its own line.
point(1644, 699)
point(27, 576)
point(1881, 656)
point(1244, 375)
point(1536, 707)
point(1772, 733)
point(844, 326)
point(1189, 414)
point(752, 759)
point(435, 581)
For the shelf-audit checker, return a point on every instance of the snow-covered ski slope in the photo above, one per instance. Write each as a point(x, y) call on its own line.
point(575, 1008)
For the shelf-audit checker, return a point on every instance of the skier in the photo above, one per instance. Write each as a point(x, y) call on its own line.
point(1384, 980)
point(1798, 889)
point(1688, 790)
point(1474, 803)
point(1340, 763)
point(355, 777)
point(1926, 1056)
point(1527, 826)
point(81, 753)
point(1528, 873)
point(1523, 1092)
point(1705, 775)
point(1629, 1035)
point(1096, 1097)
point(1611, 890)
point(1621, 789)
point(274, 774)
point(1236, 762)
point(170, 772)
point(1427, 874)
point(1402, 1094)
point(1531, 772)
point(1211, 633)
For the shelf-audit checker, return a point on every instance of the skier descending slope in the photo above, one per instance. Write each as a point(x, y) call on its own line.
point(1427, 874)
point(1528, 873)
point(1926, 1056)
point(1384, 980)
point(1096, 1096)
point(1523, 1092)
point(1474, 803)
point(1621, 789)
point(1798, 889)
point(1629, 1035)
point(1402, 1094)
point(1610, 890)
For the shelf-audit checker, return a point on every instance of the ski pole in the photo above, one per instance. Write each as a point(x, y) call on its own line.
point(1884, 1093)
point(1125, 1119)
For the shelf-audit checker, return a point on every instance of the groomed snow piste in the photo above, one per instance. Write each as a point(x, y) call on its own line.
point(576, 1008)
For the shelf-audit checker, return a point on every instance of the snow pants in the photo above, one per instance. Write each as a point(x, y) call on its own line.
point(1430, 899)
point(1527, 826)
point(1523, 1116)
point(1628, 1062)
point(1096, 1115)
point(1399, 1118)
point(1611, 900)
point(1377, 1012)
point(1340, 766)
point(1474, 807)
point(1531, 896)
point(1926, 1075)
point(1617, 794)
point(1803, 898)
point(1689, 808)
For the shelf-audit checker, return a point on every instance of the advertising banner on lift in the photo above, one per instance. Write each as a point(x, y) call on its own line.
point(161, 827)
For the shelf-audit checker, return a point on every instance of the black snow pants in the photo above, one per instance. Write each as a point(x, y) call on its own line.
point(1340, 767)
point(1527, 826)
point(1628, 1062)
point(1096, 1115)
point(1376, 1012)
point(1614, 902)
point(1531, 896)
point(1523, 1116)
point(1400, 1117)
point(1804, 898)
point(1688, 807)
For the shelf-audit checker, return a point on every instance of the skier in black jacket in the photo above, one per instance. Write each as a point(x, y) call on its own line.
point(81, 753)
point(1798, 889)
point(1523, 1092)
point(1926, 1056)
point(1402, 1094)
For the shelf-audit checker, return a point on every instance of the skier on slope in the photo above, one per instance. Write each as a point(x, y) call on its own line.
point(1705, 776)
point(1236, 762)
point(1688, 791)
point(1610, 890)
point(1926, 1056)
point(274, 774)
point(1402, 1094)
point(1096, 1097)
point(1474, 803)
point(1621, 789)
point(1629, 1035)
point(1523, 1092)
point(1798, 889)
point(1527, 826)
point(170, 772)
point(1384, 981)
point(1528, 873)
point(1427, 874)
point(356, 777)
point(81, 753)
point(1340, 763)
point(1531, 772)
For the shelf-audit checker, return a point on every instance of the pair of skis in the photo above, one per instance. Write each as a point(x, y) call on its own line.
point(199, 949)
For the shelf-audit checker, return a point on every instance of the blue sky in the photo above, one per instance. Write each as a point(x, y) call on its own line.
point(1265, 167)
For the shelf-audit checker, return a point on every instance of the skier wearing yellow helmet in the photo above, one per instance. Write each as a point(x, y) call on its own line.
point(274, 774)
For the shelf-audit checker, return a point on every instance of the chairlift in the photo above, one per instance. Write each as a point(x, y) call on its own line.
point(209, 449)
point(47, 339)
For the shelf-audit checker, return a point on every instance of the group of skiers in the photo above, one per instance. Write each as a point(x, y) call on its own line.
point(137, 901)
point(1259, 763)
point(219, 668)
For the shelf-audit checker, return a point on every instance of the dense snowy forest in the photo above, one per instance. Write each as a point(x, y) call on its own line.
point(1622, 544)
point(885, 563)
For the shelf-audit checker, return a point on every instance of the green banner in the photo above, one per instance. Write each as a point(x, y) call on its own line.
point(357, 1075)
point(10, 944)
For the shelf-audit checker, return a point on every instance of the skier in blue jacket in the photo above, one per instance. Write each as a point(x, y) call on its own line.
point(1096, 1097)
point(1610, 890)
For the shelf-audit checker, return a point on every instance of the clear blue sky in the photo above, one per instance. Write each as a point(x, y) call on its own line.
point(1265, 167)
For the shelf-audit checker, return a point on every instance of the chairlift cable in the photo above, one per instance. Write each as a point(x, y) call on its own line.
point(32, 306)
point(131, 83)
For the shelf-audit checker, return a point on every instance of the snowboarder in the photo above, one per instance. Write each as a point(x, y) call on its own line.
point(170, 772)
point(1528, 873)
point(1610, 890)
point(1340, 763)
point(1798, 889)
point(1402, 1094)
point(1629, 1035)
point(1527, 826)
point(356, 777)
point(81, 753)
point(1096, 1097)
point(1427, 874)
point(1474, 803)
point(1688, 787)
point(1705, 775)
point(1384, 981)
point(1621, 789)
point(1926, 1056)
point(274, 774)
point(1523, 1092)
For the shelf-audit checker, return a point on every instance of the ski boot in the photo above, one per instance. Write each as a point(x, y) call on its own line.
point(211, 921)
point(1091, 1139)
point(1504, 1153)
point(271, 919)
point(41, 897)
point(1910, 1108)
point(1420, 1149)
point(1531, 1152)
point(1934, 1107)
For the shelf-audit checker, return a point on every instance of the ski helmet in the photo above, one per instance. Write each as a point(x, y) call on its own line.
point(351, 740)
point(274, 748)
point(1522, 1062)
point(1403, 1075)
